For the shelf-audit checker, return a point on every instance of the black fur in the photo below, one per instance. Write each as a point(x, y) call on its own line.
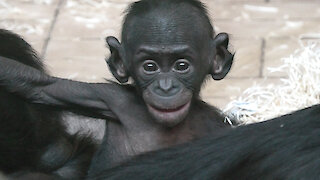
point(287, 147)
point(33, 137)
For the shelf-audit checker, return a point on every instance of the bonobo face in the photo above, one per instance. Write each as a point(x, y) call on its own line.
point(168, 57)
point(165, 74)
point(168, 64)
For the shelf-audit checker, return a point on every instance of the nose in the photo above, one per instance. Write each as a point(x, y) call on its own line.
point(165, 84)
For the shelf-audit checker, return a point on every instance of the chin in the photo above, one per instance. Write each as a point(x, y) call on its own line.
point(169, 117)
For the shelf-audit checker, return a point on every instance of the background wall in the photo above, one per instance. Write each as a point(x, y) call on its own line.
point(69, 34)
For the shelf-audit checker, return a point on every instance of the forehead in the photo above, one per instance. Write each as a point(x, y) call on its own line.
point(164, 27)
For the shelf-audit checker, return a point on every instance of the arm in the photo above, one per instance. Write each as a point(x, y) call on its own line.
point(37, 87)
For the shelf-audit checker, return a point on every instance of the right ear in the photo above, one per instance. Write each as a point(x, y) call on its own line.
point(115, 61)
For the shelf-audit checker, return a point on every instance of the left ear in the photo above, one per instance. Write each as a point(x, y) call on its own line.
point(223, 59)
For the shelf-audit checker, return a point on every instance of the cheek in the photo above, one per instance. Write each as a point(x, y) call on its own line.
point(200, 74)
point(195, 77)
point(203, 68)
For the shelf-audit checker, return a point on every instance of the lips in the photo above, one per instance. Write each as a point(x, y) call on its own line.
point(169, 110)
point(169, 116)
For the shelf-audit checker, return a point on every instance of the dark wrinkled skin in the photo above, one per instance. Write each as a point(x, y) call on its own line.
point(170, 38)
point(168, 88)
point(162, 107)
point(284, 148)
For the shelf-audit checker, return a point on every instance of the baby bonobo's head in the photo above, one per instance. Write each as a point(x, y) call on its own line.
point(168, 48)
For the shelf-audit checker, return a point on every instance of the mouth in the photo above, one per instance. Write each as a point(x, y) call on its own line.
point(169, 116)
point(167, 110)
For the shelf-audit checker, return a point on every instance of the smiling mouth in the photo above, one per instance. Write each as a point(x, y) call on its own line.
point(169, 116)
point(167, 111)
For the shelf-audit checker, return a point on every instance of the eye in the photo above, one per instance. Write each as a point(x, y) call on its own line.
point(150, 66)
point(181, 66)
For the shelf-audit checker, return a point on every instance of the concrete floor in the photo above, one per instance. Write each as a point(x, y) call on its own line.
point(69, 34)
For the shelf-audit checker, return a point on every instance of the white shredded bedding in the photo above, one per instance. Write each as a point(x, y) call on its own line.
point(299, 89)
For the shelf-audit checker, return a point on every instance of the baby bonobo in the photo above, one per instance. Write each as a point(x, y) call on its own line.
point(168, 48)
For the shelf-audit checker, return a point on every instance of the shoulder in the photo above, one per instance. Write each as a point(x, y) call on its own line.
point(209, 113)
point(202, 106)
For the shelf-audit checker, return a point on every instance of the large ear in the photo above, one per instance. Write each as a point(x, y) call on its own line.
point(115, 61)
point(223, 61)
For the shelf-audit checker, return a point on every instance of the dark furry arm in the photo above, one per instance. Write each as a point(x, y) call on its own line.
point(37, 87)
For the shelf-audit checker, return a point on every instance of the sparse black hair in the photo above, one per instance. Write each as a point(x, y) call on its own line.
point(144, 6)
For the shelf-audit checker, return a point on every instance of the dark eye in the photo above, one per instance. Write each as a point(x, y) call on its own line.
point(181, 66)
point(150, 67)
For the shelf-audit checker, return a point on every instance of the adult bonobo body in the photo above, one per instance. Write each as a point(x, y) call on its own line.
point(168, 54)
point(33, 138)
point(284, 148)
